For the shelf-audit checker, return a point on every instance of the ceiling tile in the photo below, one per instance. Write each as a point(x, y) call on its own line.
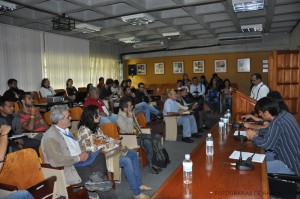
point(221, 24)
point(173, 13)
point(287, 17)
point(256, 13)
point(216, 17)
point(205, 36)
point(86, 15)
point(156, 24)
point(258, 20)
point(283, 29)
point(199, 32)
point(192, 27)
point(167, 29)
point(227, 29)
point(210, 8)
point(289, 8)
point(184, 20)
point(283, 24)
point(151, 4)
point(91, 2)
point(117, 9)
point(58, 7)
point(29, 14)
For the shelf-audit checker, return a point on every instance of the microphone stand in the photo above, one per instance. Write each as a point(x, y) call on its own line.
point(244, 165)
point(240, 137)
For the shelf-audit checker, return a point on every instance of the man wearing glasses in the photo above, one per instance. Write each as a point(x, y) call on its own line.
point(259, 89)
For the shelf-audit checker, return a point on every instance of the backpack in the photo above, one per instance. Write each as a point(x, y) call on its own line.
point(160, 156)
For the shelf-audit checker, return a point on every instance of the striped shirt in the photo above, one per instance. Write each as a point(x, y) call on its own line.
point(282, 136)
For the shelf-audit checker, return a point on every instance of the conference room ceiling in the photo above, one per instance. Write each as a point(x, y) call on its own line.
point(199, 22)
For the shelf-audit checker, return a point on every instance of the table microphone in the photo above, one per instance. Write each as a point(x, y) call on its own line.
point(240, 137)
point(244, 165)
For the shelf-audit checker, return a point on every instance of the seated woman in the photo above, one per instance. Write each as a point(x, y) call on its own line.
point(91, 138)
point(46, 90)
point(226, 95)
point(212, 98)
point(71, 90)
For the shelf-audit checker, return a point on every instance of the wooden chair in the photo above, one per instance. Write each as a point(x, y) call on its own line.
point(61, 187)
point(82, 89)
point(141, 119)
point(75, 113)
point(61, 90)
point(47, 118)
point(17, 107)
point(22, 170)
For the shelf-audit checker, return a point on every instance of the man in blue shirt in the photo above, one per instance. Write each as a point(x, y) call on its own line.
point(188, 121)
point(281, 138)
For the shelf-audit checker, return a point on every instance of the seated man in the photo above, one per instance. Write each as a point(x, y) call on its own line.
point(140, 106)
point(128, 125)
point(31, 118)
point(8, 118)
point(105, 115)
point(188, 121)
point(280, 138)
point(200, 115)
point(13, 93)
point(197, 90)
point(61, 149)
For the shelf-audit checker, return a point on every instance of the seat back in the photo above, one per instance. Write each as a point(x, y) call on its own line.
point(22, 169)
point(61, 90)
point(17, 107)
point(141, 119)
point(82, 89)
point(110, 130)
point(47, 118)
point(75, 113)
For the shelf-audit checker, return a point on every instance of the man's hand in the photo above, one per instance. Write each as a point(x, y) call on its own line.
point(83, 157)
point(103, 114)
point(33, 111)
point(251, 134)
point(129, 114)
point(195, 106)
point(4, 130)
point(180, 112)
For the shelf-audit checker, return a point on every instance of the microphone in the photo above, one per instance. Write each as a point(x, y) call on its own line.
point(240, 137)
point(244, 165)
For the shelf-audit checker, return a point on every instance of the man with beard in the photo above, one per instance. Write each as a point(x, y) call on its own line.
point(31, 118)
point(13, 93)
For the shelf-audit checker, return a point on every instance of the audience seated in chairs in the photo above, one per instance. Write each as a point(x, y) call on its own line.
point(105, 114)
point(188, 122)
point(4, 131)
point(128, 125)
point(141, 106)
point(101, 83)
point(116, 89)
point(46, 90)
point(31, 118)
point(8, 118)
point(180, 86)
point(13, 93)
point(91, 138)
point(71, 90)
point(185, 80)
point(106, 94)
point(212, 98)
point(61, 149)
point(226, 96)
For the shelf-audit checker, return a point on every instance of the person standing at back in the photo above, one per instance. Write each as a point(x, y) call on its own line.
point(259, 89)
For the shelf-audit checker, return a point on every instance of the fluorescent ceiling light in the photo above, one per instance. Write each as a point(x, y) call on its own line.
point(252, 28)
point(138, 19)
point(5, 6)
point(129, 40)
point(172, 35)
point(247, 5)
point(86, 28)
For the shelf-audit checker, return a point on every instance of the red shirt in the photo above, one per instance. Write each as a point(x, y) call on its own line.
point(25, 117)
point(99, 103)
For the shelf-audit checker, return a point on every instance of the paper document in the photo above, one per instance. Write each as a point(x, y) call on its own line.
point(146, 130)
point(256, 158)
point(186, 112)
point(241, 133)
point(105, 110)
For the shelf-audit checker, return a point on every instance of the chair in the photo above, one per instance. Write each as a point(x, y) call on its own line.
point(61, 91)
point(82, 89)
point(61, 187)
point(28, 176)
point(141, 119)
point(75, 113)
point(47, 118)
point(171, 128)
point(17, 107)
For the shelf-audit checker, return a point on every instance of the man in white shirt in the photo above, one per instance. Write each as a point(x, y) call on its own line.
point(197, 89)
point(259, 89)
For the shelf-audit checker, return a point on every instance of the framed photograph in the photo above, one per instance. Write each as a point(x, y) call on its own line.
point(198, 66)
point(159, 68)
point(243, 65)
point(141, 69)
point(178, 67)
point(220, 66)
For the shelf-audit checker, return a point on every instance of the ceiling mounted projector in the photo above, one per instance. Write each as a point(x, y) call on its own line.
point(63, 23)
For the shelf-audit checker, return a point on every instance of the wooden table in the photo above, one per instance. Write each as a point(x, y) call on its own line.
point(214, 179)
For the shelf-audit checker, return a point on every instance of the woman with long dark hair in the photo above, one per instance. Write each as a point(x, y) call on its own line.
point(226, 95)
point(91, 138)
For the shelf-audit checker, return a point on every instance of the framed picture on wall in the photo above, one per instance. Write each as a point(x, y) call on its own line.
point(220, 66)
point(243, 65)
point(178, 67)
point(159, 68)
point(141, 69)
point(198, 66)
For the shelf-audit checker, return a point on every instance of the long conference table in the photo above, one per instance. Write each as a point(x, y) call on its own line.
point(214, 179)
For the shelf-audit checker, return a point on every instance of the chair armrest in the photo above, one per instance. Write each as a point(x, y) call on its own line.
point(81, 193)
point(43, 189)
point(285, 177)
point(8, 187)
point(48, 166)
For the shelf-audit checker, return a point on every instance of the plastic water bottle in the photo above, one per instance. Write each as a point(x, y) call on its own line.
point(187, 169)
point(226, 125)
point(209, 145)
point(221, 127)
point(228, 115)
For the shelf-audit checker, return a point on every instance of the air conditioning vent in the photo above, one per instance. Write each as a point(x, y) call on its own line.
point(239, 39)
point(150, 44)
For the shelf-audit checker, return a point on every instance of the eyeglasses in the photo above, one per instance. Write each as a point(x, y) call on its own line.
point(97, 115)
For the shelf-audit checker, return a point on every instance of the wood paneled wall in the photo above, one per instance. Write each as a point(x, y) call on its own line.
point(243, 79)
